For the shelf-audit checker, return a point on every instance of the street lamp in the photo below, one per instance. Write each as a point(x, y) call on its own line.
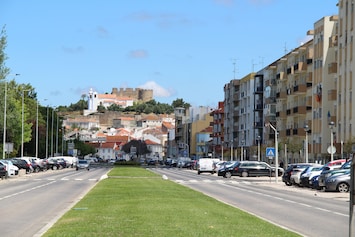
point(23, 115)
point(5, 105)
point(222, 145)
point(242, 151)
point(52, 135)
point(37, 130)
point(258, 138)
point(47, 133)
point(232, 150)
point(331, 150)
point(306, 129)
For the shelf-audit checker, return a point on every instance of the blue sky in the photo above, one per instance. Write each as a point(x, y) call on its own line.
point(185, 49)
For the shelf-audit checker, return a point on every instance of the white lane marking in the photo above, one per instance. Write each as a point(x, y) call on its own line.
point(27, 190)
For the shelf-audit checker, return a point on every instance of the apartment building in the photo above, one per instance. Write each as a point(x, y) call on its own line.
point(231, 113)
point(218, 130)
point(244, 127)
point(345, 117)
point(324, 85)
point(296, 94)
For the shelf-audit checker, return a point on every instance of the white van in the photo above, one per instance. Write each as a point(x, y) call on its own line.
point(206, 165)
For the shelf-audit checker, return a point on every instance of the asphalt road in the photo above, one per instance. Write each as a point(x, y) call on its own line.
point(30, 204)
point(302, 210)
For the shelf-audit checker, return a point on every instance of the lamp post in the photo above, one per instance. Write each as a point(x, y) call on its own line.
point(23, 118)
point(5, 112)
point(47, 133)
point(232, 150)
point(222, 146)
point(37, 130)
point(258, 138)
point(52, 135)
point(242, 151)
point(276, 154)
point(56, 140)
point(4, 135)
point(63, 136)
point(342, 148)
point(331, 150)
point(306, 129)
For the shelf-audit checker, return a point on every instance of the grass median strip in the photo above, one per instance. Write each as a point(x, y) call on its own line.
point(138, 202)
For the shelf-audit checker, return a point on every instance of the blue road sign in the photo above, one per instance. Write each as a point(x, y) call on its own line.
point(270, 151)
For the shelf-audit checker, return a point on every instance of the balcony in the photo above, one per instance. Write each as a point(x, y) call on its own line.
point(299, 110)
point(289, 70)
point(281, 114)
point(259, 106)
point(236, 96)
point(281, 95)
point(333, 41)
point(299, 89)
point(259, 124)
point(280, 76)
point(299, 67)
point(259, 90)
point(332, 95)
point(332, 68)
point(288, 112)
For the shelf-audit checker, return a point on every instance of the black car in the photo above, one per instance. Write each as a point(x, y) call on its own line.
point(22, 164)
point(3, 172)
point(248, 168)
point(53, 163)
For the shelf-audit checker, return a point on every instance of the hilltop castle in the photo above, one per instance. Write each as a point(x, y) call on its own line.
point(136, 94)
point(123, 97)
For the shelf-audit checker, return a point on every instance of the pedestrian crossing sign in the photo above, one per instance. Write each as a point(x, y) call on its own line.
point(270, 151)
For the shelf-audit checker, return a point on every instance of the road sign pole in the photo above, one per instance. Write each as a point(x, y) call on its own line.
point(276, 154)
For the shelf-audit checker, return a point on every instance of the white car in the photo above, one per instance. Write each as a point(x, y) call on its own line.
point(11, 169)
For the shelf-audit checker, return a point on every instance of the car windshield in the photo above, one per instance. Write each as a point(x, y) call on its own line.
point(83, 161)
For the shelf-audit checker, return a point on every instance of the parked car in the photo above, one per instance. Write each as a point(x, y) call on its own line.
point(332, 170)
point(339, 182)
point(38, 164)
point(249, 168)
point(293, 172)
point(83, 164)
point(308, 174)
point(314, 182)
point(3, 172)
point(11, 169)
point(22, 163)
point(55, 163)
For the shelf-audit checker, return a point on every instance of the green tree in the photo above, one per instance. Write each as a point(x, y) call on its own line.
point(84, 148)
point(180, 103)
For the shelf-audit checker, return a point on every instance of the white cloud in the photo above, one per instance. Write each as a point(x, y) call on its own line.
point(158, 91)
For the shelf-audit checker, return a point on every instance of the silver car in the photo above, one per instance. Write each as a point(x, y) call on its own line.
point(83, 164)
point(338, 182)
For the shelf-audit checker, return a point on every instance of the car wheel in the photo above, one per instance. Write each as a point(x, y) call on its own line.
point(37, 169)
point(228, 175)
point(343, 187)
point(244, 174)
point(54, 167)
point(288, 183)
